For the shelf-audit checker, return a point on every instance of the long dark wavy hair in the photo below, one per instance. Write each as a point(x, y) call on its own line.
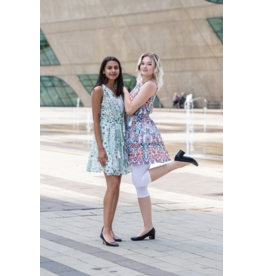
point(102, 78)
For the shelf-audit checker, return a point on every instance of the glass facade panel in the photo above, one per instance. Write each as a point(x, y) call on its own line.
point(45, 97)
point(56, 92)
point(64, 96)
point(217, 26)
point(157, 103)
point(47, 56)
point(89, 81)
point(54, 96)
point(129, 82)
point(216, 1)
point(41, 101)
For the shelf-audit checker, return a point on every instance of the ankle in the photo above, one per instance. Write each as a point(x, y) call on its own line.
point(179, 164)
point(106, 230)
point(148, 227)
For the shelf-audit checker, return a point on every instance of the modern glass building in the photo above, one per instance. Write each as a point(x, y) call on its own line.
point(187, 36)
point(216, 1)
point(217, 25)
point(47, 56)
point(55, 92)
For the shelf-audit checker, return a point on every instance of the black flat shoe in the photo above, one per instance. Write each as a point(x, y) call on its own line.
point(180, 157)
point(107, 243)
point(151, 234)
point(117, 239)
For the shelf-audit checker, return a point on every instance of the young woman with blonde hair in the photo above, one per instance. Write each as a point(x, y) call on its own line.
point(144, 143)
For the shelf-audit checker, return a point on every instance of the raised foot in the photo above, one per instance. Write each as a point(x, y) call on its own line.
point(181, 158)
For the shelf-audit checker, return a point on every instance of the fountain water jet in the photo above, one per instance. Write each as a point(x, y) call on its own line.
point(89, 125)
point(76, 115)
point(205, 115)
point(190, 124)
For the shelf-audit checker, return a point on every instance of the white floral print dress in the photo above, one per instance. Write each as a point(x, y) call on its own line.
point(113, 137)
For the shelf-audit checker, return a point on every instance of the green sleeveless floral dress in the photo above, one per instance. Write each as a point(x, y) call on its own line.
point(113, 137)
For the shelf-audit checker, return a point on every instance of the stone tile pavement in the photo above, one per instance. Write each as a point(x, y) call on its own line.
point(187, 215)
point(189, 228)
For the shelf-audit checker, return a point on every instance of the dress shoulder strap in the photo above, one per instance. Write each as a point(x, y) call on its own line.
point(104, 87)
point(151, 80)
point(154, 82)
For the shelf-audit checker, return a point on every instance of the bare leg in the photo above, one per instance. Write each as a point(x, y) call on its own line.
point(145, 202)
point(146, 211)
point(114, 206)
point(160, 171)
point(109, 199)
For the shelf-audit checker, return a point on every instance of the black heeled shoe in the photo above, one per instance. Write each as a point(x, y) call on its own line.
point(151, 234)
point(180, 157)
point(107, 243)
point(117, 239)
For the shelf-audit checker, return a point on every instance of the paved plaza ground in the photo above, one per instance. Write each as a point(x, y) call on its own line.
point(187, 203)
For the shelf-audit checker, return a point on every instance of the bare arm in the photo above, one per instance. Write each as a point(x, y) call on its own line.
point(146, 92)
point(97, 97)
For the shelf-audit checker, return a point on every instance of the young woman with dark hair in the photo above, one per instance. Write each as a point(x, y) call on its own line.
point(108, 154)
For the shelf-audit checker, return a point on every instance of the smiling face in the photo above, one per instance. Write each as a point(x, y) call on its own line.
point(111, 70)
point(147, 67)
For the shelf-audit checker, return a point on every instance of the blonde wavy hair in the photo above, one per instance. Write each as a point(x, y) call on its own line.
point(158, 71)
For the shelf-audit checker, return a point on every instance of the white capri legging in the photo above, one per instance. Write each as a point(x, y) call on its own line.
point(141, 178)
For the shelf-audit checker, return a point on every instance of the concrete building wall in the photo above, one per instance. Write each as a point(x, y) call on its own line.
point(83, 32)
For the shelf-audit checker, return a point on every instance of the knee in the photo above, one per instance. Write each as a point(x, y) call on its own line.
point(142, 180)
point(113, 187)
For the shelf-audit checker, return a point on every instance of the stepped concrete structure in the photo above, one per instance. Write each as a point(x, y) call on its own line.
point(82, 33)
